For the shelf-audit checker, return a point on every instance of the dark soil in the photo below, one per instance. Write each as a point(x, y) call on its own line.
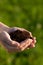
point(19, 36)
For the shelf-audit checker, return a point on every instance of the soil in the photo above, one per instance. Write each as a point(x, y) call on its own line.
point(19, 36)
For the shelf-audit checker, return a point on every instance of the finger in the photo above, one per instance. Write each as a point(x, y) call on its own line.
point(27, 41)
point(33, 43)
point(26, 44)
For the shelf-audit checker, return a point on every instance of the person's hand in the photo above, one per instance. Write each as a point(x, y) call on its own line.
point(16, 39)
point(13, 46)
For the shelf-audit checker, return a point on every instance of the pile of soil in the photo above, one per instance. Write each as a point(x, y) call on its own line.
point(19, 35)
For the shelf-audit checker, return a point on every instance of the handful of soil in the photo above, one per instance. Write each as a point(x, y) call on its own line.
point(19, 35)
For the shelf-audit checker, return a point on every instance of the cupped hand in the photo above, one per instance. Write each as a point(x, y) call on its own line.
point(13, 46)
point(16, 39)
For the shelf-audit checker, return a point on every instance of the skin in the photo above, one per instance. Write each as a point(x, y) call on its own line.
point(11, 45)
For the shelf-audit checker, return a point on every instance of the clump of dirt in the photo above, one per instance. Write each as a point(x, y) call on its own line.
point(19, 35)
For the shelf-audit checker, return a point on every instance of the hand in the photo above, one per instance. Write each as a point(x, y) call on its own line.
point(12, 45)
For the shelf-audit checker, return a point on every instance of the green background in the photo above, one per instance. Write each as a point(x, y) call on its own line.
point(29, 15)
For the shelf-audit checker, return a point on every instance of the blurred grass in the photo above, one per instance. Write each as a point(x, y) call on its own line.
point(29, 15)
